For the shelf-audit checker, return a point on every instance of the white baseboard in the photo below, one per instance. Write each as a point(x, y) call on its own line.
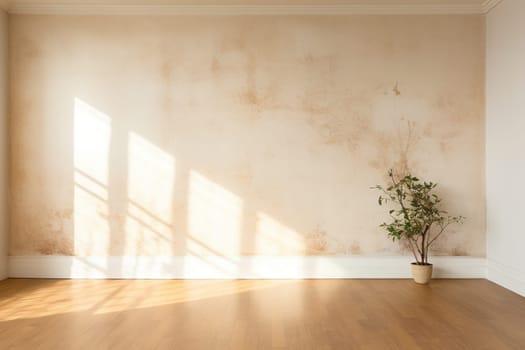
point(506, 276)
point(242, 267)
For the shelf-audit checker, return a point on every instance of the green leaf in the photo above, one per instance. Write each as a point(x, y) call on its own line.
point(417, 208)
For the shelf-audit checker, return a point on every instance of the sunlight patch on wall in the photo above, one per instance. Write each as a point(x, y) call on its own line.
point(273, 237)
point(151, 178)
point(214, 218)
point(92, 137)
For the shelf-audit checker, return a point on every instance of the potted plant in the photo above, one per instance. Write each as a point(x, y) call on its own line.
point(416, 218)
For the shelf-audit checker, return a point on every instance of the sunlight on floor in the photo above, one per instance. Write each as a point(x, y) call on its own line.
point(100, 297)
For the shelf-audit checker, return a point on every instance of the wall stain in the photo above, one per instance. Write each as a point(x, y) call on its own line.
point(315, 87)
point(395, 149)
point(316, 62)
point(444, 104)
point(459, 251)
point(50, 226)
point(337, 127)
point(396, 90)
point(407, 141)
point(260, 99)
point(355, 248)
point(407, 138)
point(384, 146)
point(316, 242)
point(58, 246)
point(250, 95)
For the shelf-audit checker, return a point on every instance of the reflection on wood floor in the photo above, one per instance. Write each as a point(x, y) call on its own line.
point(259, 314)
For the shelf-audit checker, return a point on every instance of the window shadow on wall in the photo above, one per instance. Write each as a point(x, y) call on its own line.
point(134, 198)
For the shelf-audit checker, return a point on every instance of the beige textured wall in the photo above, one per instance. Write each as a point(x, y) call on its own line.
point(3, 144)
point(232, 135)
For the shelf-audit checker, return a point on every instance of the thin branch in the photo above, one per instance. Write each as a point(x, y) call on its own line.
point(413, 250)
point(416, 243)
point(443, 227)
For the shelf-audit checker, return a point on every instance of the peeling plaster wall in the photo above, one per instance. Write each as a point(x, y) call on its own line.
point(505, 144)
point(3, 145)
point(239, 135)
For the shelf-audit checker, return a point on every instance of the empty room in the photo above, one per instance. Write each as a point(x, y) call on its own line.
point(262, 174)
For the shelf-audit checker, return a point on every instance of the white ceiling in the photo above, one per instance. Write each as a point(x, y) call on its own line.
point(249, 6)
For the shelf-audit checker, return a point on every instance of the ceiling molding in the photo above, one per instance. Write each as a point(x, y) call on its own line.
point(488, 5)
point(43, 8)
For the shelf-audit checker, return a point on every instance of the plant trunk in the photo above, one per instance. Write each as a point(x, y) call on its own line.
point(423, 253)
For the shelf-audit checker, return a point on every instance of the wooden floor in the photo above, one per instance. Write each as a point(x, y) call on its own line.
point(299, 314)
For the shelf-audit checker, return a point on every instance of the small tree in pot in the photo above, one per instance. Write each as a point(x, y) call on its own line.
point(416, 218)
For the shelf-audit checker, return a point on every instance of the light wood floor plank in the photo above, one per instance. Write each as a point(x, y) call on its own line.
point(259, 314)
